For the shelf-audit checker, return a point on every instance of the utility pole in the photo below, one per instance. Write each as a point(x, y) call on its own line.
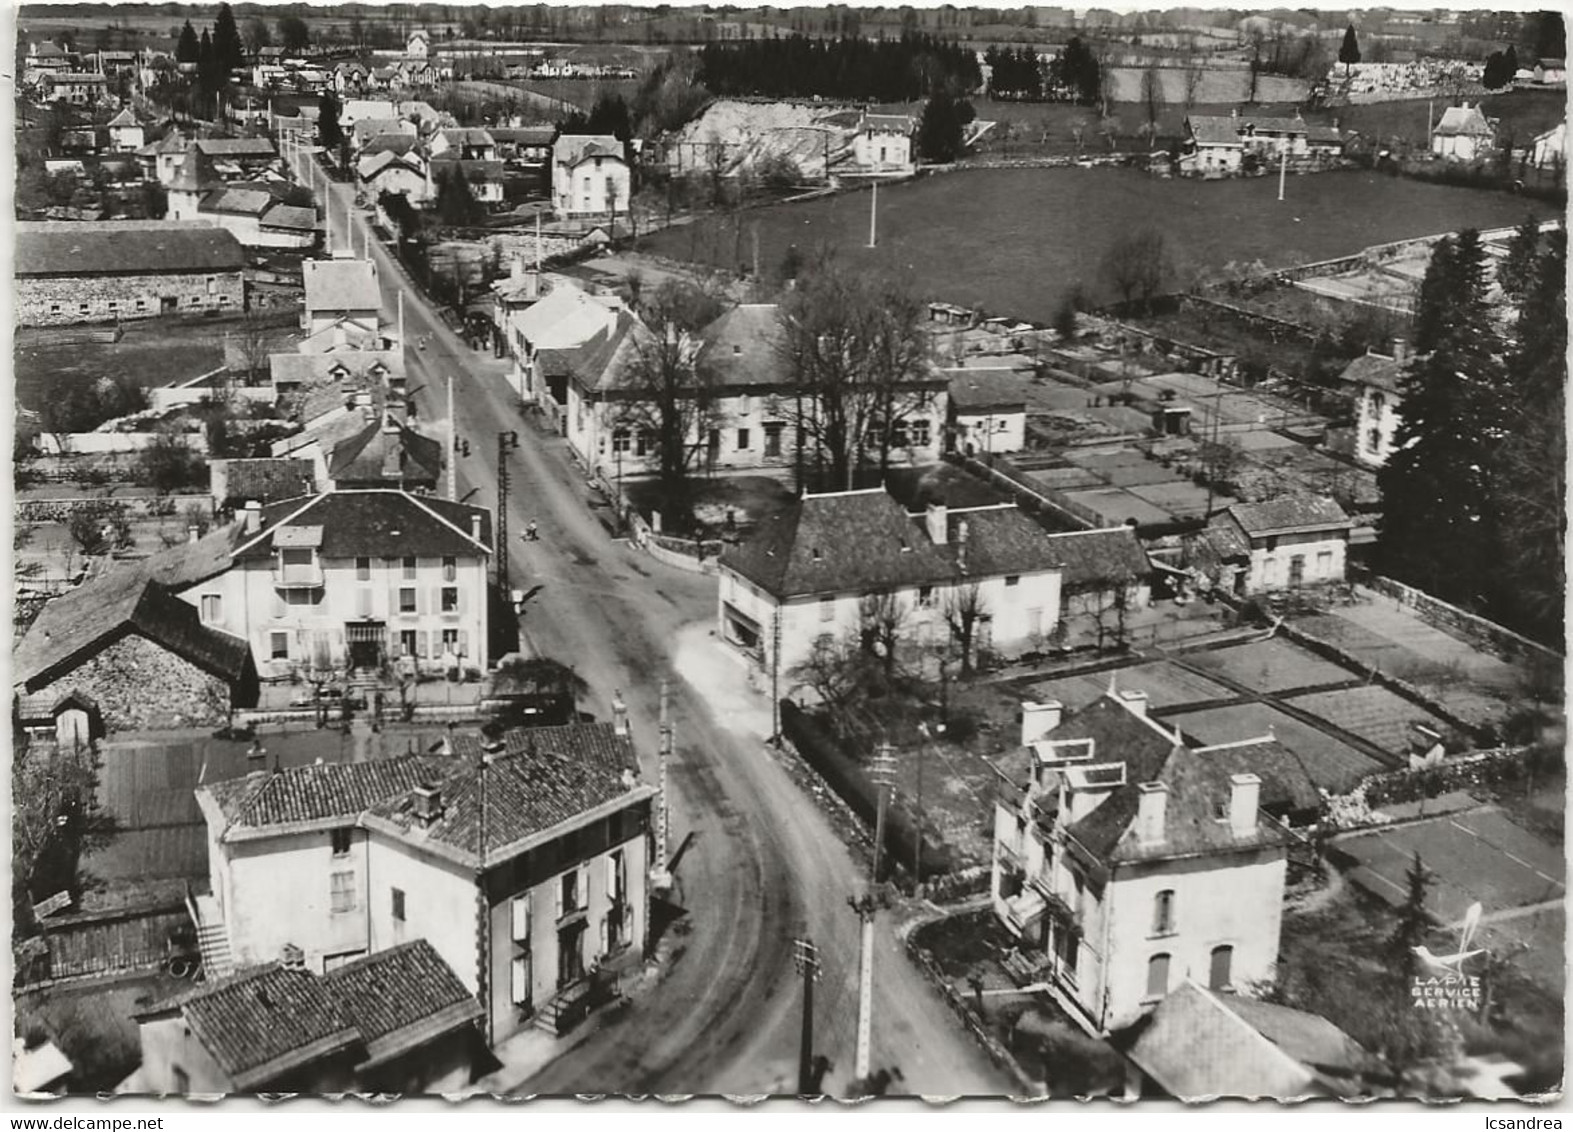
point(806, 956)
point(864, 907)
point(453, 437)
point(401, 342)
point(775, 676)
point(506, 443)
point(881, 773)
point(873, 216)
point(1283, 168)
point(663, 816)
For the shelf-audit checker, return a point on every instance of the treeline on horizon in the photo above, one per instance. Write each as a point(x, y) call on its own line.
point(884, 70)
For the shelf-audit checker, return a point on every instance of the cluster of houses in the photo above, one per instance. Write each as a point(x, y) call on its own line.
point(1227, 145)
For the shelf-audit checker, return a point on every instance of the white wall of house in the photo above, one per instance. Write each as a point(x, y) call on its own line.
point(174, 1061)
point(882, 151)
point(1376, 425)
point(582, 189)
point(1321, 557)
point(287, 628)
point(1234, 901)
point(440, 904)
point(398, 179)
point(1218, 158)
point(1460, 147)
point(992, 432)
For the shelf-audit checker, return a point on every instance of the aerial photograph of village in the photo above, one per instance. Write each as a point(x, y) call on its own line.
point(806, 552)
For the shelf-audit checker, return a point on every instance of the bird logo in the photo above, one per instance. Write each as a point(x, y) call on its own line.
point(1454, 964)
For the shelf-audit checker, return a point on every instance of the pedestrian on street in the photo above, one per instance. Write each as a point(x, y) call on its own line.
point(531, 533)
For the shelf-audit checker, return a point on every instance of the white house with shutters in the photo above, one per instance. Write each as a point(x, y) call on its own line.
point(521, 860)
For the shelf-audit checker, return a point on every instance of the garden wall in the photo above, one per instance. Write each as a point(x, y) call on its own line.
point(111, 443)
point(1452, 620)
point(137, 506)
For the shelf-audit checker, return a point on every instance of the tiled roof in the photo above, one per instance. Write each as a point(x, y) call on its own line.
point(399, 144)
point(341, 285)
point(976, 392)
point(264, 799)
point(565, 318)
point(1375, 370)
point(742, 347)
point(244, 202)
point(1211, 129)
point(236, 147)
point(265, 480)
point(400, 999)
point(1199, 1044)
point(1266, 125)
point(1291, 513)
point(587, 744)
point(308, 369)
point(466, 136)
point(361, 459)
point(525, 135)
point(475, 171)
point(1285, 781)
point(291, 217)
point(368, 128)
point(109, 247)
point(1093, 558)
point(888, 123)
point(571, 149)
point(829, 544)
point(1463, 121)
point(1000, 540)
point(124, 118)
point(376, 523)
point(263, 1022)
point(85, 620)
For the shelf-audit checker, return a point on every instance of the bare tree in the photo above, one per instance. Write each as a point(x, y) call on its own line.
point(1195, 71)
point(667, 390)
point(882, 618)
point(252, 345)
point(1138, 265)
point(1106, 600)
point(830, 669)
point(1152, 93)
point(963, 608)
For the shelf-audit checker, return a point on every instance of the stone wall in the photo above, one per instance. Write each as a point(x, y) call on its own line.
point(138, 684)
point(1488, 635)
point(63, 300)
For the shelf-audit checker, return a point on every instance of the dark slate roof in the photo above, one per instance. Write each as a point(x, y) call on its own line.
point(376, 522)
point(475, 171)
point(1286, 782)
point(1000, 540)
point(1213, 129)
point(742, 347)
point(400, 999)
point(845, 542)
point(571, 149)
point(972, 391)
point(111, 247)
point(1374, 370)
point(236, 147)
point(360, 459)
point(265, 480)
point(263, 1022)
point(84, 621)
point(525, 135)
point(588, 744)
point(292, 217)
point(390, 143)
point(468, 136)
point(1091, 558)
point(1199, 1044)
point(1291, 513)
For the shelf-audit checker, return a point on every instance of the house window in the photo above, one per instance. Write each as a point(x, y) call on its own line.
point(568, 893)
point(521, 981)
point(450, 642)
point(1324, 563)
point(742, 440)
point(1373, 440)
point(141, 304)
point(450, 569)
point(278, 646)
point(773, 432)
point(81, 308)
point(827, 608)
point(1158, 975)
point(398, 905)
point(342, 891)
point(1221, 971)
point(450, 599)
point(926, 597)
point(622, 441)
point(409, 569)
point(1378, 402)
point(1013, 580)
point(406, 599)
point(212, 608)
point(520, 915)
point(363, 569)
point(646, 444)
point(1163, 912)
point(920, 433)
point(182, 1080)
point(340, 840)
point(54, 308)
point(406, 642)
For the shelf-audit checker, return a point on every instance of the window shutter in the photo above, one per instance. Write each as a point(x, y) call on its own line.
point(611, 877)
point(420, 643)
point(584, 885)
point(521, 980)
point(521, 919)
point(393, 601)
point(557, 891)
point(464, 642)
point(605, 938)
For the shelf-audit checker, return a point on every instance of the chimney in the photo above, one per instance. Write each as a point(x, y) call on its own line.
point(961, 546)
point(619, 715)
point(532, 286)
point(1400, 351)
point(292, 958)
point(253, 516)
point(193, 533)
point(1037, 720)
point(1152, 801)
point(1135, 702)
point(516, 268)
point(1244, 791)
point(934, 519)
point(475, 527)
point(427, 804)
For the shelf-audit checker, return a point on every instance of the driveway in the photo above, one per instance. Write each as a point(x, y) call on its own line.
point(763, 865)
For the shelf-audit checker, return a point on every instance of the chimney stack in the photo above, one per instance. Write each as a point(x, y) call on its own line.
point(619, 715)
point(292, 958)
point(427, 806)
point(1037, 720)
point(253, 516)
point(193, 533)
point(1152, 802)
point(936, 522)
point(1135, 702)
point(1400, 351)
point(1244, 792)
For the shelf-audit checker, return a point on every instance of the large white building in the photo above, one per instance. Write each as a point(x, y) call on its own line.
point(1126, 863)
point(1374, 382)
point(1464, 134)
point(590, 176)
point(522, 862)
point(807, 573)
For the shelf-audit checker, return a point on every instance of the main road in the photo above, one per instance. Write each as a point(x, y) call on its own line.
point(761, 866)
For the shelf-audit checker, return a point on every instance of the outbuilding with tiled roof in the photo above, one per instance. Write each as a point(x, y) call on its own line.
point(1295, 541)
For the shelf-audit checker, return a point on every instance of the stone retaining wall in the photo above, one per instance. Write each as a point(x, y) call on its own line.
point(1454, 621)
point(63, 300)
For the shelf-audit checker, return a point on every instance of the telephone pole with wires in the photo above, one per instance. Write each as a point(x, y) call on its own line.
point(864, 907)
point(506, 443)
point(806, 956)
point(882, 772)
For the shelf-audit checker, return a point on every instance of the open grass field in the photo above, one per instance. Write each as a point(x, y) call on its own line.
point(1014, 241)
point(1167, 686)
point(1270, 666)
point(1373, 713)
point(1524, 114)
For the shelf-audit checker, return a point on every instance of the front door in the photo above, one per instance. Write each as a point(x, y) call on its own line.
point(167, 304)
point(570, 954)
point(714, 449)
point(1297, 570)
point(365, 644)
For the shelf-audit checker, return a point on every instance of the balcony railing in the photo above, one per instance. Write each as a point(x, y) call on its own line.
point(298, 577)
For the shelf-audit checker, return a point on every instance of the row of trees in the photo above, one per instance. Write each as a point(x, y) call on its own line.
point(889, 70)
point(1473, 500)
point(1074, 75)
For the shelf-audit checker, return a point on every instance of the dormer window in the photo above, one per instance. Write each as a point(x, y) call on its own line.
point(296, 564)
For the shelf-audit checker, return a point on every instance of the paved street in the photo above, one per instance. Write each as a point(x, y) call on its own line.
point(762, 865)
